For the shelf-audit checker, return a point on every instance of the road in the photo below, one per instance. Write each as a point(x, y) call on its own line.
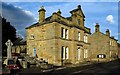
point(100, 69)
point(108, 68)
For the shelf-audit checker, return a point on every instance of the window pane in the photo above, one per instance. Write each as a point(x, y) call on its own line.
point(63, 52)
point(78, 54)
point(84, 38)
point(100, 56)
point(79, 36)
point(67, 53)
point(63, 33)
point(66, 32)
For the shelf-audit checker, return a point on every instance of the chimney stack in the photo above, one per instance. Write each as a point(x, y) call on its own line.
point(41, 14)
point(97, 27)
point(107, 32)
point(79, 6)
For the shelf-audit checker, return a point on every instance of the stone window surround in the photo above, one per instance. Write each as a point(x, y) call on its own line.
point(64, 33)
point(112, 43)
point(65, 52)
point(32, 36)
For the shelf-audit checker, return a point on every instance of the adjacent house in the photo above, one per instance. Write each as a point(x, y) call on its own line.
point(103, 46)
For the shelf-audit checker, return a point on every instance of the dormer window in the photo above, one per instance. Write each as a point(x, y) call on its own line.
point(32, 36)
point(78, 21)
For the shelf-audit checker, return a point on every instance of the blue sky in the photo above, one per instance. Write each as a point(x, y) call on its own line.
point(22, 14)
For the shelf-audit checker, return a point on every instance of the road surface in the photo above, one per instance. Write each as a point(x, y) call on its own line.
point(108, 68)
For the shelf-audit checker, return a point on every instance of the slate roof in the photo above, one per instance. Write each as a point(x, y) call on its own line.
point(105, 35)
point(69, 18)
point(48, 20)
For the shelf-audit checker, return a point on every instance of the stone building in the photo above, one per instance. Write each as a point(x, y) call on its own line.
point(65, 40)
point(103, 46)
point(19, 47)
point(59, 40)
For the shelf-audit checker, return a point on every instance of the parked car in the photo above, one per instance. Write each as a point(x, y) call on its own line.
point(4, 70)
point(11, 65)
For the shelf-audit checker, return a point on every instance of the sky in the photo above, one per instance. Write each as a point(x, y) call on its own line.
point(23, 14)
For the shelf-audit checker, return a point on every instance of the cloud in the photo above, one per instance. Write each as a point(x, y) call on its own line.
point(18, 17)
point(110, 19)
point(20, 35)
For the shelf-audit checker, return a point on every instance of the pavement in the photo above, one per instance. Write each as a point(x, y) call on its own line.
point(107, 68)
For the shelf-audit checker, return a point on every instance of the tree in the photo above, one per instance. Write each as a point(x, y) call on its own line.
point(8, 32)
